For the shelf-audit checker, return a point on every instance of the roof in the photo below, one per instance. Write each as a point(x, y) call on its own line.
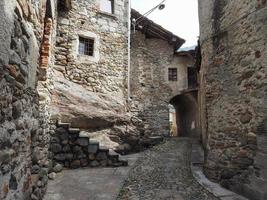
point(153, 30)
point(186, 53)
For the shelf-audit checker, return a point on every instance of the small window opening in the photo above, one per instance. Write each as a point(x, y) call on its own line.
point(86, 46)
point(172, 74)
point(107, 6)
point(192, 77)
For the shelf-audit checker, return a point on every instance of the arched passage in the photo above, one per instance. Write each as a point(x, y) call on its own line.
point(186, 113)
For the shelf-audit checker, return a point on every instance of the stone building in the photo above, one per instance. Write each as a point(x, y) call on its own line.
point(233, 94)
point(91, 63)
point(159, 76)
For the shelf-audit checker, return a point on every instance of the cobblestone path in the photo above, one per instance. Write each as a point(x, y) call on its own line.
point(164, 173)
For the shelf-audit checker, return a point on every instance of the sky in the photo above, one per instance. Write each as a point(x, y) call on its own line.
point(179, 16)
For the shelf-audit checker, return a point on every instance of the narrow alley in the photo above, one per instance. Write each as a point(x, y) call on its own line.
point(133, 100)
point(164, 173)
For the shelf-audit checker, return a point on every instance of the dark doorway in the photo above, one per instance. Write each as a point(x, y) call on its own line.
point(186, 111)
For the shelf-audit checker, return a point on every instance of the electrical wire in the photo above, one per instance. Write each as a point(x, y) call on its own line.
point(148, 13)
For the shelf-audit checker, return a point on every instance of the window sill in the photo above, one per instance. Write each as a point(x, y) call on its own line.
point(86, 58)
point(106, 14)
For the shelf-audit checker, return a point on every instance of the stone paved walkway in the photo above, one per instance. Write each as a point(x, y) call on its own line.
point(89, 184)
point(164, 173)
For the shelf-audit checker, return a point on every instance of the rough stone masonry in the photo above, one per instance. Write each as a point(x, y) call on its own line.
point(22, 127)
point(233, 93)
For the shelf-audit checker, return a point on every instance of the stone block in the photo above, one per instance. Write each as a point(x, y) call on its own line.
point(103, 163)
point(6, 155)
point(84, 162)
point(14, 58)
point(101, 156)
point(74, 130)
point(57, 168)
point(83, 141)
point(60, 157)
point(66, 148)
point(94, 163)
point(61, 130)
point(75, 164)
point(69, 156)
point(93, 148)
point(52, 176)
point(77, 149)
point(56, 148)
point(81, 156)
point(91, 156)
point(63, 125)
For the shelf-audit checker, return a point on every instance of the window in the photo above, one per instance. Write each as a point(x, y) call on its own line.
point(86, 46)
point(107, 6)
point(172, 74)
point(192, 77)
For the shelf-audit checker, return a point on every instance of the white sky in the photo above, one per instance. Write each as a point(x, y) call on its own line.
point(179, 16)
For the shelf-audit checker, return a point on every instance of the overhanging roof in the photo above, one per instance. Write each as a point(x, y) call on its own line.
point(153, 30)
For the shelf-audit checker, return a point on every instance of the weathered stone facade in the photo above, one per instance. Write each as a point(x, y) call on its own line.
point(151, 90)
point(105, 71)
point(97, 82)
point(233, 93)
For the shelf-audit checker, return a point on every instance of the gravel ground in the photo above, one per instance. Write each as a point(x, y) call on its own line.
point(163, 172)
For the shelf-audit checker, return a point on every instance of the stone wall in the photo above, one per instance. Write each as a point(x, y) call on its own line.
point(233, 92)
point(21, 126)
point(150, 89)
point(73, 150)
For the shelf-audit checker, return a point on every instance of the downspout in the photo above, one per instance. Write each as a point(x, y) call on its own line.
point(129, 50)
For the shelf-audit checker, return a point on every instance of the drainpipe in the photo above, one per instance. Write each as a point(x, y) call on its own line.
point(129, 49)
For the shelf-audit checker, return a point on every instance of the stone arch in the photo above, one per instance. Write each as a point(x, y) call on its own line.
point(186, 108)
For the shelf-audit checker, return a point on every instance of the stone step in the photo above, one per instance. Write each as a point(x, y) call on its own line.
point(83, 141)
point(156, 139)
point(63, 125)
point(119, 163)
point(94, 142)
point(93, 146)
point(103, 149)
point(123, 162)
point(112, 155)
point(74, 130)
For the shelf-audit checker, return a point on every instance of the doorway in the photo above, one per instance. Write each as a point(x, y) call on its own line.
point(184, 115)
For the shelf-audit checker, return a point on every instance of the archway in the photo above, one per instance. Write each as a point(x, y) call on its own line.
point(186, 115)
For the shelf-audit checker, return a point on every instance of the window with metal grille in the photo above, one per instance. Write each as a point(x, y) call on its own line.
point(172, 74)
point(86, 46)
point(107, 6)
